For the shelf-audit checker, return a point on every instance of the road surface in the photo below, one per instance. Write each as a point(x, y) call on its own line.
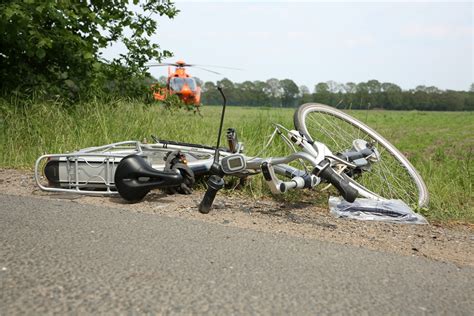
point(58, 256)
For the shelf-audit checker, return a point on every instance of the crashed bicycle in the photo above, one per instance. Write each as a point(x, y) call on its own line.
point(329, 147)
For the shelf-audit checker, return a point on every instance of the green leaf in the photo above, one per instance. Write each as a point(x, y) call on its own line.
point(96, 66)
point(88, 55)
point(71, 84)
point(40, 53)
point(44, 42)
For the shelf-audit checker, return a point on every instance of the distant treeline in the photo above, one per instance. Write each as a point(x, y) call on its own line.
point(371, 94)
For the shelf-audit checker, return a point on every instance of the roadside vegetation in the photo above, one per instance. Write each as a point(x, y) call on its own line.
point(52, 50)
point(439, 144)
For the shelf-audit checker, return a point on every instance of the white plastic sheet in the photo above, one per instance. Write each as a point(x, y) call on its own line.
point(395, 211)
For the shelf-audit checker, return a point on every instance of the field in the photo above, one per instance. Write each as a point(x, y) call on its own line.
point(439, 144)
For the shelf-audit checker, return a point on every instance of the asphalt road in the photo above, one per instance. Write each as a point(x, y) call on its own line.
point(58, 257)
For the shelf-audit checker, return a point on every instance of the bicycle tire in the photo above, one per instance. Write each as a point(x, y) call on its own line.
point(394, 177)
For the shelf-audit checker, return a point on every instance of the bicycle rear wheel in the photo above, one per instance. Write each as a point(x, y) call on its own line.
point(392, 177)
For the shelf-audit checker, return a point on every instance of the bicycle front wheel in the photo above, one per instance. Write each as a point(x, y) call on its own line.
point(392, 177)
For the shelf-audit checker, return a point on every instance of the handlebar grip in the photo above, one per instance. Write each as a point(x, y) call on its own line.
point(348, 193)
point(214, 184)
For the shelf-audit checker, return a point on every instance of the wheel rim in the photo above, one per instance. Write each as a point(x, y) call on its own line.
point(392, 177)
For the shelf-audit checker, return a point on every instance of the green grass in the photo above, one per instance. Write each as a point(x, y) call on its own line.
point(440, 145)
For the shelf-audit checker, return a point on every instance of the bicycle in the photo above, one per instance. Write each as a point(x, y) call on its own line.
point(331, 146)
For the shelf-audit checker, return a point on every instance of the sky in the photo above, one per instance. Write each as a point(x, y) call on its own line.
point(406, 43)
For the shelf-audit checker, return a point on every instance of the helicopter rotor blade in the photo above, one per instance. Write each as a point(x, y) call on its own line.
point(161, 64)
point(182, 65)
point(212, 71)
point(192, 65)
point(215, 66)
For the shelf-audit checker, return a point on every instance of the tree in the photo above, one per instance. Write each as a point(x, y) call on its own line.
point(199, 82)
point(226, 84)
point(162, 80)
point(290, 92)
point(392, 95)
point(373, 86)
point(54, 46)
point(322, 93)
point(469, 99)
point(229, 90)
point(304, 90)
point(274, 91)
point(321, 87)
point(261, 97)
point(305, 94)
point(361, 100)
point(245, 94)
point(274, 87)
point(208, 86)
point(432, 89)
point(350, 87)
point(390, 87)
point(334, 86)
point(210, 95)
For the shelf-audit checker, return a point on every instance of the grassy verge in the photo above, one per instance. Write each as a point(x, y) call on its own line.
point(440, 145)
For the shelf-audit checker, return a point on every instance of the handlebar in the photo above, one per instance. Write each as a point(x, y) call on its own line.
point(277, 186)
point(295, 183)
point(214, 184)
point(215, 181)
point(325, 171)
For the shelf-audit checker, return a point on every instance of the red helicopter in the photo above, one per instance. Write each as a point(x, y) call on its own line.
point(181, 83)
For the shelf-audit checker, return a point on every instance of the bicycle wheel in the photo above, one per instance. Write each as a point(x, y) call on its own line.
point(392, 177)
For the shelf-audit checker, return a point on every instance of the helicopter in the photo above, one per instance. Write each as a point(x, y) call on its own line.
point(181, 83)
